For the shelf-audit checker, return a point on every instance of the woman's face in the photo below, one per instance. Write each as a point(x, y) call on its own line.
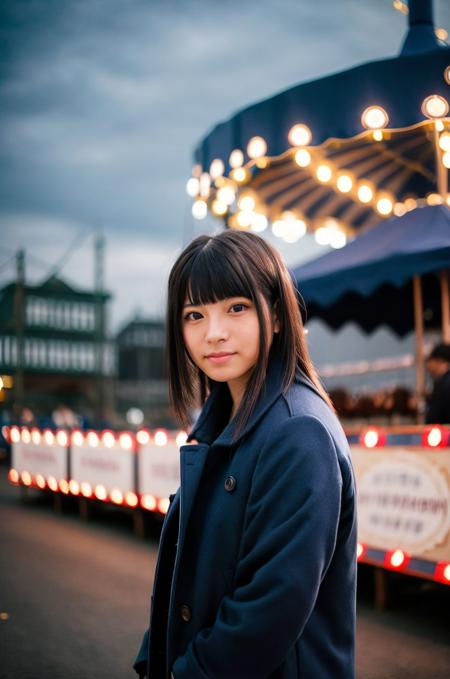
point(223, 338)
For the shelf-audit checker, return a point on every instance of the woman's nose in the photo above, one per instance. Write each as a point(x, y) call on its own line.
point(216, 330)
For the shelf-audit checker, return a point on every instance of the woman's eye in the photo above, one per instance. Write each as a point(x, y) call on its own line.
point(192, 316)
point(236, 308)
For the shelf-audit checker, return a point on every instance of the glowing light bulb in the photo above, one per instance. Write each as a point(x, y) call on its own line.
point(435, 106)
point(399, 210)
point(344, 183)
point(444, 141)
point(199, 209)
point(160, 438)
point(259, 222)
point(219, 208)
point(247, 203)
point(374, 118)
point(338, 239)
point(239, 174)
point(434, 437)
point(108, 439)
point(92, 439)
point(205, 184)
point(256, 147)
point(236, 158)
point(371, 438)
point(192, 187)
point(397, 558)
point(384, 205)
point(365, 193)
point(217, 168)
point(322, 235)
point(143, 437)
point(300, 135)
point(324, 173)
point(226, 195)
point(181, 438)
point(302, 157)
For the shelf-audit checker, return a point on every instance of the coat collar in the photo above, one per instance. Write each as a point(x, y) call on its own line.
point(207, 428)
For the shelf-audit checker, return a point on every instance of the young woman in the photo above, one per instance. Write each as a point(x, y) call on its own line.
point(256, 568)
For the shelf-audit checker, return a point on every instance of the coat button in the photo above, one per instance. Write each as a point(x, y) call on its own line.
point(230, 483)
point(185, 613)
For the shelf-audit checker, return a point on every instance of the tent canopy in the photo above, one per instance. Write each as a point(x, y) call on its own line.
point(369, 281)
point(400, 164)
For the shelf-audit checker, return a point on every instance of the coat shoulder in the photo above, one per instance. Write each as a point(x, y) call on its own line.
point(302, 400)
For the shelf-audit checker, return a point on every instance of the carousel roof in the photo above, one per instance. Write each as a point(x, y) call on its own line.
point(338, 153)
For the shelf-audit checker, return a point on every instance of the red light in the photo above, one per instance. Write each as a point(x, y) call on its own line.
point(61, 438)
point(435, 437)
point(86, 489)
point(14, 434)
point(131, 499)
point(52, 483)
point(100, 492)
point(26, 478)
point(181, 438)
point(108, 439)
point(13, 476)
point(373, 438)
point(126, 441)
point(396, 559)
point(92, 439)
point(64, 486)
point(163, 505)
point(360, 551)
point(116, 496)
point(26, 436)
point(49, 437)
point(74, 487)
point(148, 502)
point(160, 437)
point(35, 436)
point(442, 572)
point(143, 437)
point(40, 481)
point(77, 438)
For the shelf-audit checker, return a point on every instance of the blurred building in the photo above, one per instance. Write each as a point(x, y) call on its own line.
point(53, 348)
point(142, 381)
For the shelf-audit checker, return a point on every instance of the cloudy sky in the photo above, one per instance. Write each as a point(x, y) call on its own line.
point(103, 101)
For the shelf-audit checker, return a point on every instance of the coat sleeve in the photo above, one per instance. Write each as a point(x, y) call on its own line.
point(289, 538)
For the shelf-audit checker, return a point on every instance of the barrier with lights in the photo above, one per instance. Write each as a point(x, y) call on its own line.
point(118, 467)
point(402, 475)
point(403, 484)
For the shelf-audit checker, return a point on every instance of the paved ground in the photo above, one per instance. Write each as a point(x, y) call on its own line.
point(76, 598)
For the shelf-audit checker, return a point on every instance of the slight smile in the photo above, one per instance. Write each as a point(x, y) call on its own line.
point(219, 357)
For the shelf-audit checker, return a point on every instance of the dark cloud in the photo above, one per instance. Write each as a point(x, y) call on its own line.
point(104, 100)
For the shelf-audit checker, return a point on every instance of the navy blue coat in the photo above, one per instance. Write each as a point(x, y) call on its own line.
point(262, 582)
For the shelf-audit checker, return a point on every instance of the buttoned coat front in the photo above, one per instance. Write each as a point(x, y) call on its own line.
point(263, 582)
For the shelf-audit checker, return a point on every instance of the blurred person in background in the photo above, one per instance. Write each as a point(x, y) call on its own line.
point(438, 403)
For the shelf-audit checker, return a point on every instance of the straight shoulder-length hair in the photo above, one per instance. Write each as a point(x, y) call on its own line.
point(234, 264)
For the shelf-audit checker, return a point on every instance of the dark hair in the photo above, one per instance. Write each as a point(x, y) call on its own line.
point(234, 264)
point(440, 352)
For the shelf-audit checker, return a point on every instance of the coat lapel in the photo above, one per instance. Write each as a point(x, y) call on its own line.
point(192, 461)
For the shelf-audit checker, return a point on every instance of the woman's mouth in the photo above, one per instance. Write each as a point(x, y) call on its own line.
point(219, 357)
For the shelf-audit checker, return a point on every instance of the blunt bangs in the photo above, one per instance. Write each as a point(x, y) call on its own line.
point(212, 277)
